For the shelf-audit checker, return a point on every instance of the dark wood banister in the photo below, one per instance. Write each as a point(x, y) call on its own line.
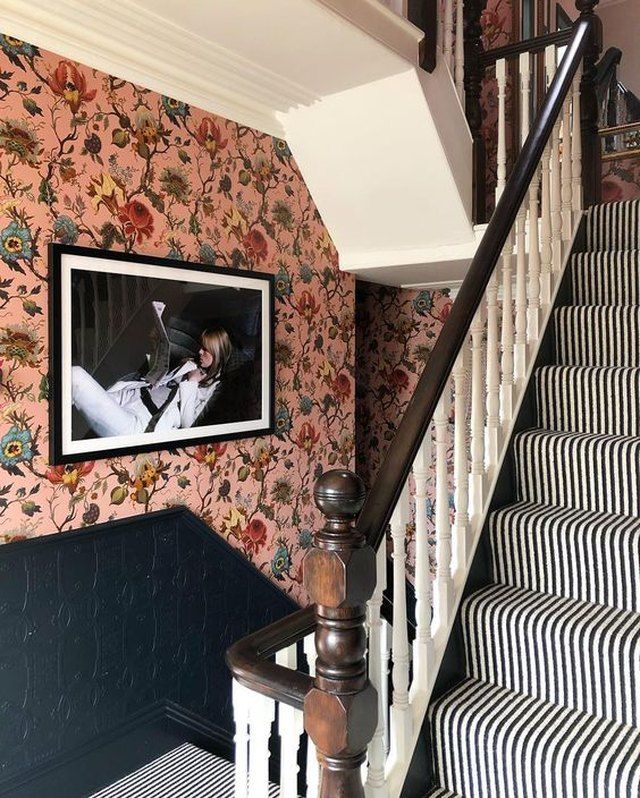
point(247, 659)
point(536, 45)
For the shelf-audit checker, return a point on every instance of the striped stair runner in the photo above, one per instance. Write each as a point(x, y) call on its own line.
point(550, 707)
point(184, 772)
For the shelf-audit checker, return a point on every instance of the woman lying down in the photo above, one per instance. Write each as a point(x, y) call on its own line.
point(176, 400)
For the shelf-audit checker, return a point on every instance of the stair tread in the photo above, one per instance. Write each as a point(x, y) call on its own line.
point(613, 225)
point(184, 772)
point(493, 741)
point(586, 655)
point(605, 277)
point(597, 335)
point(564, 551)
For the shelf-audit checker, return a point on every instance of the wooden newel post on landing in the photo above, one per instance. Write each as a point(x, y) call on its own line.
point(591, 147)
point(340, 712)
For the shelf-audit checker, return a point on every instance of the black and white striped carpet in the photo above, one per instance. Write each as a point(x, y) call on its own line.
point(184, 772)
point(550, 707)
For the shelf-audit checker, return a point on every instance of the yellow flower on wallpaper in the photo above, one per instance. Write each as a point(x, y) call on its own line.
point(106, 190)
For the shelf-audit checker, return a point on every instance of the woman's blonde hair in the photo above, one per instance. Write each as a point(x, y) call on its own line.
point(217, 342)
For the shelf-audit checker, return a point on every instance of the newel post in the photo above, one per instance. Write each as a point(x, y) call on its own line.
point(340, 712)
point(591, 150)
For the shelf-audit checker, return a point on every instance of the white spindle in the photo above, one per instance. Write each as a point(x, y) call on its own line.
point(576, 146)
point(459, 53)
point(501, 77)
point(476, 494)
point(506, 386)
point(448, 34)
point(423, 643)
point(290, 728)
point(400, 714)
point(385, 653)
point(520, 348)
point(567, 178)
point(241, 703)
point(312, 773)
point(493, 377)
point(262, 712)
point(376, 752)
point(556, 177)
point(443, 593)
point(462, 542)
point(546, 252)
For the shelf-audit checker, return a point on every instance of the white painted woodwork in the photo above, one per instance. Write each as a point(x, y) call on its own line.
point(385, 653)
point(400, 714)
point(262, 711)
point(501, 77)
point(566, 172)
point(576, 147)
point(290, 729)
point(443, 593)
point(312, 773)
point(448, 34)
point(520, 340)
point(546, 252)
point(477, 483)
point(533, 317)
point(461, 528)
point(506, 342)
point(241, 698)
point(493, 377)
point(423, 642)
point(459, 51)
point(376, 754)
point(556, 176)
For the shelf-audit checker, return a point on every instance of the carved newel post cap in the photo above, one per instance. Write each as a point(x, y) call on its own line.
point(586, 6)
point(339, 494)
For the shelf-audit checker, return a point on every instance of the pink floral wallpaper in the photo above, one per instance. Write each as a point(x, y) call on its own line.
point(621, 179)
point(90, 159)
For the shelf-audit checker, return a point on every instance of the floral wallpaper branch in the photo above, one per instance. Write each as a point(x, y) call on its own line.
point(87, 158)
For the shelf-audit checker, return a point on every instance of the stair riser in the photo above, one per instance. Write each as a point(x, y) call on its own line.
point(591, 400)
point(605, 278)
point(572, 654)
point(614, 226)
point(593, 558)
point(597, 336)
point(584, 472)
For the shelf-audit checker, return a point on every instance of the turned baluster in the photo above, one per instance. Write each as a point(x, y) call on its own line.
point(290, 728)
point(377, 753)
point(459, 51)
point(501, 77)
point(576, 147)
point(462, 542)
point(477, 483)
point(341, 710)
point(556, 177)
point(443, 593)
point(567, 178)
point(448, 34)
point(493, 377)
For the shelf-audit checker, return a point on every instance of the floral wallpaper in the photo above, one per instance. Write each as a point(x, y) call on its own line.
point(621, 179)
point(89, 159)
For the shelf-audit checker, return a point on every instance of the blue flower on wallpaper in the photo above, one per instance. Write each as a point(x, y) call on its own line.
point(16, 47)
point(15, 447)
point(306, 273)
point(283, 420)
point(423, 302)
point(174, 109)
point(15, 243)
point(305, 539)
point(207, 254)
point(65, 230)
point(281, 562)
point(281, 149)
point(306, 405)
point(282, 283)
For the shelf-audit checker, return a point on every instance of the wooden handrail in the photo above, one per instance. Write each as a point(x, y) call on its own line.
point(538, 44)
point(249, 663)
point(396, 466)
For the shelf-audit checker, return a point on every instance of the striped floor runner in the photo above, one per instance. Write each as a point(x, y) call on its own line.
point(550, 707)
point(185, 772)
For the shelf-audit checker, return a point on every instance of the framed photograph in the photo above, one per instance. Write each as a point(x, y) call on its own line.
point(150, 353)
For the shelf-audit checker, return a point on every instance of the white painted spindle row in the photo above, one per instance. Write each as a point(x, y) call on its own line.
point(453, 42)
point(462, 459)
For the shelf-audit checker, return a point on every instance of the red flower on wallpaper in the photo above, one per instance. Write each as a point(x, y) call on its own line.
point(68, 82)
point(611, 191)
point(70, 475)
point(341, 386)
point(254, 535)
point(137, 219)
point(256, 245)
point(307, 437)
point(398, 378)
point(209, 454)
point(208, 135)
point(307, 305)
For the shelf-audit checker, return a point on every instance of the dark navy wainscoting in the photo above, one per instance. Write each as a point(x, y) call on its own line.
point(112, 638)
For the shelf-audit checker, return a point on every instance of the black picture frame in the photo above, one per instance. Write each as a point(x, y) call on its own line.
point(67, 268)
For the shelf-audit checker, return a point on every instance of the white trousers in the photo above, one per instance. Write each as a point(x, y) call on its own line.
point(105, 414)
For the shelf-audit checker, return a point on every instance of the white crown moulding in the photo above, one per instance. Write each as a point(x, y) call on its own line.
point(146, 49)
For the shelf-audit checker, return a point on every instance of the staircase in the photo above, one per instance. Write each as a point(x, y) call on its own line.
point(551, 702)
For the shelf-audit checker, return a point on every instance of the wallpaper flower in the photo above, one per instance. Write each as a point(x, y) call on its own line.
point(89, 159)
point(621, 179)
